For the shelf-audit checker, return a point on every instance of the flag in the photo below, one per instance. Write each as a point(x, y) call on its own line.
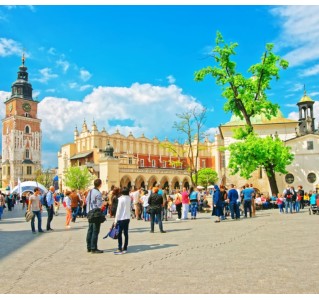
point(19, 187)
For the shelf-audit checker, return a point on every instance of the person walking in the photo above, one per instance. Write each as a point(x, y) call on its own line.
point(178, 204)
point(144, 199)
point(68, 209)
point(50, 210)
point(193, 197)
point(155, 202)
point(248, 194)
point(185, 203)
point(36, 207)
point(233, 202)
point(300, 196)
point(218, 204)
point(288, 194)
point(2, 202)
point(94, 200)
point(75, 203)
point(122, 218)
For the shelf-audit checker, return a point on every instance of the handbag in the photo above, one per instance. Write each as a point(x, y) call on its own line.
point(114, 232)
point(96, 216)
point(28, 215)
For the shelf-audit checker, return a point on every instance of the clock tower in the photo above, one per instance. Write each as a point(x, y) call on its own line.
point(21, 133)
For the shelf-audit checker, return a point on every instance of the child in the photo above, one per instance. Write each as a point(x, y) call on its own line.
point(280, 202)
point(170, 207)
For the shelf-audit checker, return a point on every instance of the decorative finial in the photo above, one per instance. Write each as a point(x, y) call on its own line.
point(23, 58)
point(304, 90)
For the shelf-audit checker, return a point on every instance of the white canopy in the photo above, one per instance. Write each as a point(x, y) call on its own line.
point(28, 186)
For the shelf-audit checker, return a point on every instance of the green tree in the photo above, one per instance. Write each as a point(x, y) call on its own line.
point(255, 152)
point(45, 177)
point(78, 178)
point(246, 98)
point(206, 176)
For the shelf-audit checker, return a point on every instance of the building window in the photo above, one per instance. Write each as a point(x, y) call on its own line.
point(142, 163)
point(130, 160)
point(153, 163)
point(164, 164)
point(309, 145)
point(9, 171)
point(311, 177)
point(27, 129)
point(289, 178)
point(29, 170)
point(27, 153)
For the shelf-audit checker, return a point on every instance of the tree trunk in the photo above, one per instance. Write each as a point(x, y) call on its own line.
point(272, 181)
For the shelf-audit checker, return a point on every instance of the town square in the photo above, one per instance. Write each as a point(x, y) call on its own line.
point(161, 155)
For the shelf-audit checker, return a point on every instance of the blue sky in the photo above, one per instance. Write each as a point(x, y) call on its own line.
point(132, 67)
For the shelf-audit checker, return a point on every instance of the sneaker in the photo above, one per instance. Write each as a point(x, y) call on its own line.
point(152, 231)
point(33, 232)
point(68, 227)
point(118, 252)
point(178, 219)
point(124, 251)
point(41, 231)
point(163, 231)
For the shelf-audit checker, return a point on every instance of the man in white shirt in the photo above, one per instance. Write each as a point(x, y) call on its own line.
point(122, 218)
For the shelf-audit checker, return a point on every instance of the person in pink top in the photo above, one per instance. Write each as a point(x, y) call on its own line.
point(280, 202)
point(185, 203)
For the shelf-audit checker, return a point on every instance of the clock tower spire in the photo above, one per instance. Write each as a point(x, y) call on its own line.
point(21, 133)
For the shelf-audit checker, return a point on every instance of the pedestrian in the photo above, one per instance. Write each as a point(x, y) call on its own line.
point(2, 203)
point(193, 198)
point(288, 194)
point(253, 204)
point(36, 207)
point(248, 195)
point(50, 210)
point(115, 200)
point(68, 209)
point(300, 197)
point(165, 196)
point(218, 204)
point(75, 203)
point(144, 199)
point(122, 219)
point(156, 203)
point(185, 203)
point(280, 202)
point(94, 200)
point(233, 202)
point(178, 204)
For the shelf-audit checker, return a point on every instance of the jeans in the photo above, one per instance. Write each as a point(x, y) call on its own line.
point(288, 204)
point(92, 236)
point(164, 212)
point(185, 210)
point(50, 216)
point(193, 209)
point(146, 215)
point(123, 228)
point(38, 214)
point(297, 206)
point(159, 219)
point(74, 213)
point(179, 210)
point(247, 206)
point(1, 211)
point(281, 207)
point(234, 209)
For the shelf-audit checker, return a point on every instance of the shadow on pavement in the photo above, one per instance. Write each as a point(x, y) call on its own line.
point(142, 248)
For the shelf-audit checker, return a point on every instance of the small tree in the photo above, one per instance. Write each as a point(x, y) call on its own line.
point(45, 177)
point(78, 178)
point(255, 152)
point(206, 176)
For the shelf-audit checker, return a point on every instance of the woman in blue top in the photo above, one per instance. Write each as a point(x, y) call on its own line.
point(218, 203)
point(193, 197)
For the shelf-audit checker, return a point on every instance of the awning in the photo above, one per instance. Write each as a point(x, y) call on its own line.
point(81, 155)
point(28, 162)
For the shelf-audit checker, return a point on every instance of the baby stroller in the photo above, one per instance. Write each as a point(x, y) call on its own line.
point(56, 207)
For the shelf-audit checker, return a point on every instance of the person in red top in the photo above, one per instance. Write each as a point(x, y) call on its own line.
point(185, 204)
point(280, 202)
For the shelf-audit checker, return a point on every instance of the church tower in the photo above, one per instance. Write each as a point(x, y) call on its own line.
point(306, 118)
point(21, 133)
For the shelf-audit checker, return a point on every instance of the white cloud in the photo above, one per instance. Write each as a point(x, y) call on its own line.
point(297, 87)
point(52, 51)
point(46, 75)
point(3, 97)
point(73, 85)
point(313, 94)
point(63, 64)
point(150, 109)
point(210, 133)
point(10, 47)
point(85, 75)
point(290, 105)
point(171, 79)
point(310, 71)
point(35, 94)
point(85, 87)
point(300, 31)
point(50, 90)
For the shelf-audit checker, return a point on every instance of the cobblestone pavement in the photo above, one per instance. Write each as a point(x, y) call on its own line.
point(271, 253)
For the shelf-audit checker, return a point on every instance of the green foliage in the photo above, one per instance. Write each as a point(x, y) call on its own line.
point(246, 97)
point(45, 177)
point(78, 178)
point(254, 152)
point(206, 177)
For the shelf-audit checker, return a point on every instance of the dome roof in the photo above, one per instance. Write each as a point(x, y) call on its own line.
point(305, 98)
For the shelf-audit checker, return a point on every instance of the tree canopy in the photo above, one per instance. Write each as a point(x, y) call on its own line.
point(206, 177)
point(78, 178)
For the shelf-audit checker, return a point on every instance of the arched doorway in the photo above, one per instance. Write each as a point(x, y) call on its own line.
point(140, 182)
point(126, 182)
point(152, 181)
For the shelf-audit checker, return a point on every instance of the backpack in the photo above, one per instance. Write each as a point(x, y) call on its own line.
point(288, 194)
point(44, 200)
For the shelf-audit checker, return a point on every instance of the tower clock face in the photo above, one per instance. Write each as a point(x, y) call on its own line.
point(26, 106)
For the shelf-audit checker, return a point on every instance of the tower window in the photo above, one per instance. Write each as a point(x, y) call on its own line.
point(27, 129)
point(27, 153)
point(142, 163)
point(153, 163)
point(130, 161)
point(309, 145)
point(29, 170)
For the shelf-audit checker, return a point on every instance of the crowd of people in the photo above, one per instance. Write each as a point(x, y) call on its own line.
point(155, 206)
